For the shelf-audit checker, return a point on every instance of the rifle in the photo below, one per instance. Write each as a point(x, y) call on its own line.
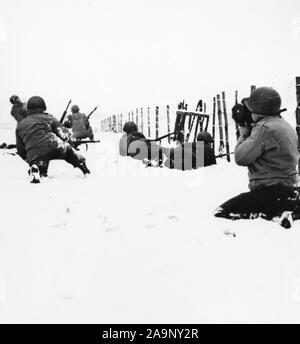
point(223, 155)
point(65, 112)
point(162, 137)
point(88, 117)
point(76, 144)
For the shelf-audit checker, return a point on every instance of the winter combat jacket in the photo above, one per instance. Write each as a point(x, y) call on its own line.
point(38, 135)
point(183, 157)
point(80, 126)
point(270, 153)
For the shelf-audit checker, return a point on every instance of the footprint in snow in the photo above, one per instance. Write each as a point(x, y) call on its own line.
point(66, 297)
point(60, 225)
point(104, 219)
point(150, 227)
point(173, 218)
point(229, 233)
point(111, 229)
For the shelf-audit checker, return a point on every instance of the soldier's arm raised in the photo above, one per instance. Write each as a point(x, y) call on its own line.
point(249, 149)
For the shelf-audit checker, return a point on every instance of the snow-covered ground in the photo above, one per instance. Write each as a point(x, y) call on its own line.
point(136, 245)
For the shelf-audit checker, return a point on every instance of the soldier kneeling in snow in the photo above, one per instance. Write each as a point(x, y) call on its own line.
point(192, 155)
point(135, 145)
point(41, 138)
point(269, 150)
point(79, 124)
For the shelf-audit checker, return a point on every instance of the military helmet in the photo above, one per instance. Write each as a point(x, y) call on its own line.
point(14, 99)
point(75, 109)
point(36, 103)
point(130, 127)
point(205, 136)
point(264, 101)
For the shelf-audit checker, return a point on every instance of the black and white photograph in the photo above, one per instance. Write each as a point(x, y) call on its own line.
point(149, 164)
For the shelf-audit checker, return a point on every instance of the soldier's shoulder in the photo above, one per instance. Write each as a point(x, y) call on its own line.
point(23, 123)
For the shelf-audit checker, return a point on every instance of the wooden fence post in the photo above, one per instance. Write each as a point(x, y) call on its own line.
point(137, 118)
point(226, 126)
point(168, 123)
point(157, 121)
point(142, 121)
point(214, 120)
point(221, 134)
point(110, 123)
point(149, 123)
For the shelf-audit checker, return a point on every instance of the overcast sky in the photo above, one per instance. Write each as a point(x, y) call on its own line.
point(124, 54)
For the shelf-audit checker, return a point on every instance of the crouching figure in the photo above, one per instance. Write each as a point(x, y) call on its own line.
point(80, 125)
point(134, 144)
point(269, 149)
point(41, 138)
point(192, 155)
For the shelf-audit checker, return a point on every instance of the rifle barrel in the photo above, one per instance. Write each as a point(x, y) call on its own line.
point(92, 112)
point(65, 112)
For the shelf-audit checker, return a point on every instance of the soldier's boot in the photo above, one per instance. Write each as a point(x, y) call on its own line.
point(76, 160)
point(82, 166)
point(34, 174)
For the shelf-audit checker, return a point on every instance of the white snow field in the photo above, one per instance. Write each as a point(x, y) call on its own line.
point(135, 245)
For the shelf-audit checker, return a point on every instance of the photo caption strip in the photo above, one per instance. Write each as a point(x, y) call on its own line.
point(139, 333)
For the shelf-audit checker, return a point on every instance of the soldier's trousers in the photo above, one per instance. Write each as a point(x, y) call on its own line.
point(66, 153)
point(267, 202)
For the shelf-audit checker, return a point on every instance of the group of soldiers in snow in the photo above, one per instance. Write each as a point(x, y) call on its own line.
point(40, 137)
point(267, 145)
point(186, 156)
